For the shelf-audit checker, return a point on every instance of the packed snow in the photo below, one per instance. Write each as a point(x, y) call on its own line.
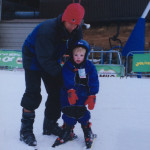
point(121, 117)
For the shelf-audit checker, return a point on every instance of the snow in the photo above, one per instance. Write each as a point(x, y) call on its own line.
point(121, 117)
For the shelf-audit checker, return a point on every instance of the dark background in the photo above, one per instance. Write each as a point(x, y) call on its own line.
point(96, 10)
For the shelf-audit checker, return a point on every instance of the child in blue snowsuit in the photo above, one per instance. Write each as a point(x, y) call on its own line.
point(81, 85)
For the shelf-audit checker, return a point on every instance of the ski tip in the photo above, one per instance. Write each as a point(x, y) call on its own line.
point(35, 147)
point(53, 145)
point(95, 135)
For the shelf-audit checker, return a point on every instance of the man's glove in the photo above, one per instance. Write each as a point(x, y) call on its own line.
point(91, 102)
point(72, 96)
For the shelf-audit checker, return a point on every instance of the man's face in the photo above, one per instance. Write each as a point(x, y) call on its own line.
point(78, 56)
point(69, 26)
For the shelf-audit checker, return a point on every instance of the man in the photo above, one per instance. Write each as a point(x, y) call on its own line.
point(42, 51)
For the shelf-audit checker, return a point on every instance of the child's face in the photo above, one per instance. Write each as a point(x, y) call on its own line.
point(78, 56)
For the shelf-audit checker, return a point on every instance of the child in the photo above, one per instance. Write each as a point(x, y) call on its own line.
point(80, 86)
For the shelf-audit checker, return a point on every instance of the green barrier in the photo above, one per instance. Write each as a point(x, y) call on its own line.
point(10, 59)
point(110, 70)
point(141, 63)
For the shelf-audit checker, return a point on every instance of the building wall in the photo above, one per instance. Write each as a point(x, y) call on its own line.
point(98, 10)
point(0, 9)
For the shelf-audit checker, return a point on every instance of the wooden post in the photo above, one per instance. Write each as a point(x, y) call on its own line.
point(0, 10)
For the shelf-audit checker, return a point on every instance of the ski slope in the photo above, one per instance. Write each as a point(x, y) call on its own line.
point(121, 117)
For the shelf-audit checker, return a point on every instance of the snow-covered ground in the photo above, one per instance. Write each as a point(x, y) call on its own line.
point(121, 117)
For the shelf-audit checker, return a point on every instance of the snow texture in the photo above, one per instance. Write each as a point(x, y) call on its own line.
point(121, 117)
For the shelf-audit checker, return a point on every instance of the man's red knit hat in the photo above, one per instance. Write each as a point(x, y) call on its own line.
point(74, 13)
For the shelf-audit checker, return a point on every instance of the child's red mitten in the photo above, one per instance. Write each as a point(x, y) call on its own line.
point(72, 96)
point(91, 102)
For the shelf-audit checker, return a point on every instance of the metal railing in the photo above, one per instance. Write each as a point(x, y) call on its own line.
point(110, 58)
point(106, 57)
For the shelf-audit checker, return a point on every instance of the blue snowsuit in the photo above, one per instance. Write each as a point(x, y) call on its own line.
point(90, 86)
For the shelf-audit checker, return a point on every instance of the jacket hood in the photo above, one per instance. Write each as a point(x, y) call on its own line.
point(84, 44)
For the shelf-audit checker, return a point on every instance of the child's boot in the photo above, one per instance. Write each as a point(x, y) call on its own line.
point(26, 131)
point(67, 135)
point(88, 135)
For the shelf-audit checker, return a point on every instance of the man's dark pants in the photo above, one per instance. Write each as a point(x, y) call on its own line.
point(32, 96)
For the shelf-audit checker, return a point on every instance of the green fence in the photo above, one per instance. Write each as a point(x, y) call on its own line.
point(110, 70)
point(138, 63)
point(141, 63)
point(10, 59)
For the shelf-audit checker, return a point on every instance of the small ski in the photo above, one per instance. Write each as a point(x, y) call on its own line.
point(35, 148)
point(60, 141)
point(89, 146)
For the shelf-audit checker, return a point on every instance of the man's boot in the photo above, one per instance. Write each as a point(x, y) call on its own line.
point(88, 135)
point(51, 127)
point(26, 131)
